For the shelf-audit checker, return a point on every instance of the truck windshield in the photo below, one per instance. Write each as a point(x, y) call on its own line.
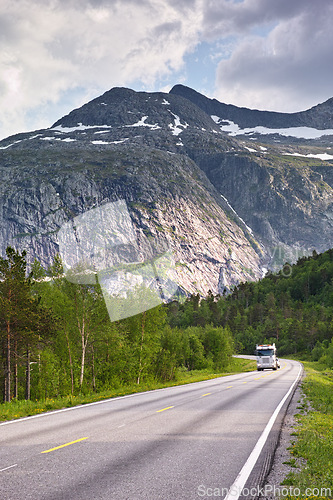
point(266, 352)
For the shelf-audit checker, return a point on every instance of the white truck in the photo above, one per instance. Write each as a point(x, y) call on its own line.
point(266, 357)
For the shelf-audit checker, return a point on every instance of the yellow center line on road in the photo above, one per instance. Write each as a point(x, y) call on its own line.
point(163, 409)
point(207, 394)
point(63, 445)
point(229, 386)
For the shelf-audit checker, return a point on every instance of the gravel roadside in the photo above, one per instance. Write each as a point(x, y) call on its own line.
point(280, 469)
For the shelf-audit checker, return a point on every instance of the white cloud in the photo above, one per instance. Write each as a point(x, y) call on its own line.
point(291, 68)
point(51, 47)
point(57, 54)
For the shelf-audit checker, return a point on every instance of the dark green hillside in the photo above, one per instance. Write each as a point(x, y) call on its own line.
point(293, 308)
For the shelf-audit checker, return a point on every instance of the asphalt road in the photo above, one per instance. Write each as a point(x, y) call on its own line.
point(187, 442)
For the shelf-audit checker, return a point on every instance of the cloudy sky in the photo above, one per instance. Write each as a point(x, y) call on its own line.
point(56, 55)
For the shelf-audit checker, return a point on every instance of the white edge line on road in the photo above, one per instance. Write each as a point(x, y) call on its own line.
point(238, 485)
point(7, 422)
point(86, 405)
point(10, 467)
point(71, 408)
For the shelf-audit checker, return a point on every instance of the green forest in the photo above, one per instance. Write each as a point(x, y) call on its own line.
point(293, 308)
point(57, 339)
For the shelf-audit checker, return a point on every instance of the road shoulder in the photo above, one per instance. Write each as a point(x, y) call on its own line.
point(280, 468)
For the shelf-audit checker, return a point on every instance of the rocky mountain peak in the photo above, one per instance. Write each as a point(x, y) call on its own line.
point(230, 191)
point(121, 107)
point(320, 116)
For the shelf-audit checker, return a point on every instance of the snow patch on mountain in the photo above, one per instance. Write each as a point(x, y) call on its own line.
point(320, 156)
point(9, 145)
point(142, 123)
point(50, 138)
point(77, 127)
point(177, 127)
point(233, 129)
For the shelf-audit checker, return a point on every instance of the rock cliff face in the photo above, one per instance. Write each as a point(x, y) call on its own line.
point(287, 203)
point(226, 203)
point(280, 178)
point(171, 203)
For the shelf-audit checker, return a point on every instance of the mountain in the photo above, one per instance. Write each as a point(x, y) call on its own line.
point(318, 117)
point(227, 201)
point(279, 178)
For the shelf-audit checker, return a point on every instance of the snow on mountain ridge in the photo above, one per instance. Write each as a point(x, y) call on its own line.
point(299, 132)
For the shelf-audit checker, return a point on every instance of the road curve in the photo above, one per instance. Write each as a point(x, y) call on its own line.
point(186, 442)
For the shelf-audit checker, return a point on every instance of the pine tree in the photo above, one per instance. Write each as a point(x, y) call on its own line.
point(14, 292)
point(23, 322)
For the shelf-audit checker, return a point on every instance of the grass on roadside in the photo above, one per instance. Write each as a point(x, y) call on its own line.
point(313, 443)
point(21, 408)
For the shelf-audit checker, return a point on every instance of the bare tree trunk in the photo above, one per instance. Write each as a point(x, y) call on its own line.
point(83, 357)
point(8, 373)
point(84, 339)
point(15, 371)
point(84, 346)
point(70, 361)
point(27, 375)
point(141, 346)
point(93, 368)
